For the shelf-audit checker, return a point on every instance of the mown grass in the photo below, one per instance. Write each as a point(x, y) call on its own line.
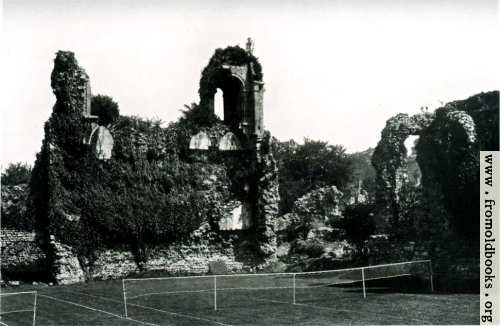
point(238, 303)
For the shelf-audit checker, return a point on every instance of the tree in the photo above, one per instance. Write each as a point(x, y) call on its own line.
point(105, 108)
point(196, 116)
point(306, 167)
point(363, 174)
point(16, 173)
point(15, 188)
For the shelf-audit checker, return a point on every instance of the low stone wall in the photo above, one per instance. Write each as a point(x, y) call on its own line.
point(21, 256)
point(190, 258)
point(114, 264)
point(174, 260)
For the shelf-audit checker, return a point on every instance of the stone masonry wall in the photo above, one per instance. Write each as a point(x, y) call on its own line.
point(20, 254)
point(175, 260)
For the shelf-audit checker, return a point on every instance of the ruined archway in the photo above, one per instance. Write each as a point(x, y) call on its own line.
point(447, 156)
point(238, 74)
point(390, 161)
point(233, 101)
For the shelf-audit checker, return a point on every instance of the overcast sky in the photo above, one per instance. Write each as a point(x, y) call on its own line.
point(334, 70)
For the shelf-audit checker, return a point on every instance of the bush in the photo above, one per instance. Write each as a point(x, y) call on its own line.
point(276, 267)
point(312, 248)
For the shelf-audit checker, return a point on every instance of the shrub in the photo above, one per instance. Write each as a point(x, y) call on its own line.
point(312, 248)
point(276, 267)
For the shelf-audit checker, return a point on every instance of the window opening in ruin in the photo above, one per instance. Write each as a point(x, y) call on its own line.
point(219, 104)
point(414, 173)
point(238, 217)
point(231, 108)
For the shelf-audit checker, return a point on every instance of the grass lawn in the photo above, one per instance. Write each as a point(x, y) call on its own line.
point(191, 302)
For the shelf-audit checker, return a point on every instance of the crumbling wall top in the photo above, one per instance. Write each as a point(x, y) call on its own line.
point(70, 83)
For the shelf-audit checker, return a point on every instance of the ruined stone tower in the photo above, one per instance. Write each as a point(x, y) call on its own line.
point(238, 74)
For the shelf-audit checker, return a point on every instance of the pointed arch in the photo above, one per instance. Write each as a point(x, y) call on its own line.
point(229, 142)
point(200, 141)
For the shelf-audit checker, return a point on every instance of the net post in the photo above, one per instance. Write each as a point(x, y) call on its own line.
point(34, 309)
point(215, 292)
point(431, 276)
point(294, 288)
point(363, 277)
point(124, 298)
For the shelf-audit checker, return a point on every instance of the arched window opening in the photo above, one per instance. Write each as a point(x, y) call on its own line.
point(228, 102)
point(219, 104)
point(414, 173)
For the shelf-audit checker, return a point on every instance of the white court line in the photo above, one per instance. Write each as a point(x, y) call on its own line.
point(179, 314)
point(254, 299)
point(14, 311)
point(98, 310)
point(154, 309)
point(3, 324)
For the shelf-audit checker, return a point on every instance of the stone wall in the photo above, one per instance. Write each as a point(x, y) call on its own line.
point(21, 256)
point(455, 262)
point(175, 260)
point(447, 154)
point(66, 267)
point(267, 202)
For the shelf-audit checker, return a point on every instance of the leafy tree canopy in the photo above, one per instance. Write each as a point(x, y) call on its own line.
point(16, 173)
point(311, 165)
point(105, 108)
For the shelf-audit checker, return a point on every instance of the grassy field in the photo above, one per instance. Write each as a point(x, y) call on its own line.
point(191, 302)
